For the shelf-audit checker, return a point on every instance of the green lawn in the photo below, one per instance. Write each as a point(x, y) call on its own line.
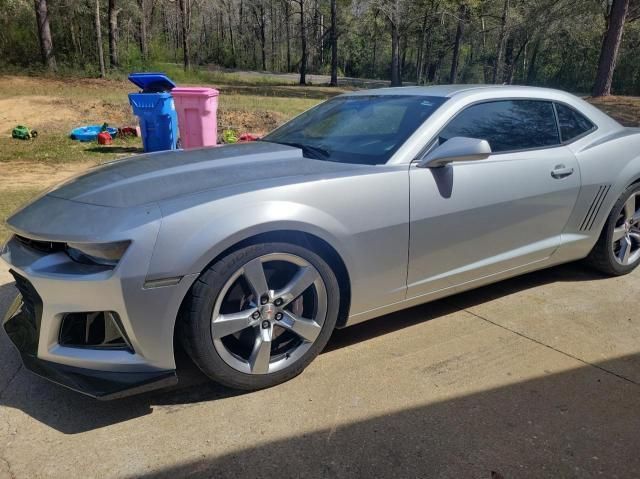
point(54, 105)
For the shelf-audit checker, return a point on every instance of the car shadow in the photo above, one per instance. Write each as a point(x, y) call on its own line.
point(41, 399)
point(579, 422)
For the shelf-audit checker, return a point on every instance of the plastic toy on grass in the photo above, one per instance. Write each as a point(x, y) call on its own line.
point(229, 136)
point(22, 132)
point(90, 132)
point(248, 137)
point(104, 138)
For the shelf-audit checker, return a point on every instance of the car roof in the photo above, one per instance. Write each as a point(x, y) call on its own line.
point(453, 90)
point(435, 90)
point(475, 92)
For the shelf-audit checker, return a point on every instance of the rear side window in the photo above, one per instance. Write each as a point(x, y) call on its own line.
point(507, 125)
point(572, 124)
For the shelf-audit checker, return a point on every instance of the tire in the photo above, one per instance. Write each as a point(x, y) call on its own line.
point(237, 360)
point(621, 231)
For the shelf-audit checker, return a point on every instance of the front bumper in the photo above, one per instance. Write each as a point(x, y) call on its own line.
point(52, 286)
point(22, 325)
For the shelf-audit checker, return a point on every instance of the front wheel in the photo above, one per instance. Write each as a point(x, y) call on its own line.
point(260, 315)
point(617, 251)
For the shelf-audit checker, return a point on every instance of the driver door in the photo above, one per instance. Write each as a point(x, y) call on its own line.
point(474, 219)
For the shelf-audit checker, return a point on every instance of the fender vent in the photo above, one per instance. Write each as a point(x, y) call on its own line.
point(594, 209)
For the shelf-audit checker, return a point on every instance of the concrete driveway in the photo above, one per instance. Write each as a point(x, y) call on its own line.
point(534, 377)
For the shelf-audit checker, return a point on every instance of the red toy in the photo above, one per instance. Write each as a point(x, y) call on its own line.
point(248, 137)
point(104, 138)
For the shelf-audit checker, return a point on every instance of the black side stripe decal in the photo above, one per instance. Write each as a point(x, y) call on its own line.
point(594, 209)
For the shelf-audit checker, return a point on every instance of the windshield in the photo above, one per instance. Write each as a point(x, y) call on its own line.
point(366, 129)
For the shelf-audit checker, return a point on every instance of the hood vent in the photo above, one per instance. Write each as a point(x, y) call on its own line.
point(594, 209)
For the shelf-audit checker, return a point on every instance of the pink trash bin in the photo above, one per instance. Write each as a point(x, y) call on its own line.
point(197, 109)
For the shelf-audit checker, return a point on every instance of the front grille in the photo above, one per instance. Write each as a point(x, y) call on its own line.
point(42, 246)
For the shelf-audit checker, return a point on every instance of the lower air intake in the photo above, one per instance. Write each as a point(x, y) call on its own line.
point(94, 330)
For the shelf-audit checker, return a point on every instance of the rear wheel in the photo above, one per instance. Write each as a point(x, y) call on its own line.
point(617, 251)
point(260, 315)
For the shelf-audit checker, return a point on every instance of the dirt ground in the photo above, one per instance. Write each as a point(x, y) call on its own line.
point(538, 376)
point(57, 105)
point(26, 175)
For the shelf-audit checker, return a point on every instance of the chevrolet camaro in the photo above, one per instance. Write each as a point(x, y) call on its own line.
point(250, 255)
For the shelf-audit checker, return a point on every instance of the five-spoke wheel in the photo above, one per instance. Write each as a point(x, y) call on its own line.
point(617, 251)
point(269, 313)
point(626, 234)
point(260, 315)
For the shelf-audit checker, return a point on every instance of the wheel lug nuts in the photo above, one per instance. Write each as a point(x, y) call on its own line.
point(278, 302)
point(265, 324)
point(255, 315)
point(264, 299)
point(278, 316)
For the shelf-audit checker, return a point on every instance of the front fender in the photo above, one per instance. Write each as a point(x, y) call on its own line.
point(189, 240)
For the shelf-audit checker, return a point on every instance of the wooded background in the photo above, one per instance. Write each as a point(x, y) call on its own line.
point(584, 46)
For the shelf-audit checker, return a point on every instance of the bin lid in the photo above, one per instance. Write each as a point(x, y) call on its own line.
point(195, 90)
point(152, 82)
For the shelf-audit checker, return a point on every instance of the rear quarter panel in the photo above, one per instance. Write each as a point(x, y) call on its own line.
point(609, 162)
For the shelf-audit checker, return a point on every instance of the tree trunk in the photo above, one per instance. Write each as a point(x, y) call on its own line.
point(462, 13)
point(375, 45)
point(497, 67)
point(510, 74)
point(303, 45)
point(184, 13)
point(44, 35)
point(144, 47)
point(99, 39)
point(402, 45)
point(421, 47)
point(288, 33)
point(233, 43)
point(113, 32)
point(610, 47)
point(334, 44)
point(508, 60)
point(531, 72)
point(395, 55)
point(263, 38)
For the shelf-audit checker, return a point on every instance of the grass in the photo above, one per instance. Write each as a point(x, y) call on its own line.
point(55, 148)
point(625, 109)
point(54, 105)
point(9, 202)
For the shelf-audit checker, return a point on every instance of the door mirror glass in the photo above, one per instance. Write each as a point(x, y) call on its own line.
point(456, 149)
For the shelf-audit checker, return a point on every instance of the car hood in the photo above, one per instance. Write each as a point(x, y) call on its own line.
point(155, 177)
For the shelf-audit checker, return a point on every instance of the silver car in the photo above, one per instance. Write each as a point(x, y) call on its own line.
point(252, 254)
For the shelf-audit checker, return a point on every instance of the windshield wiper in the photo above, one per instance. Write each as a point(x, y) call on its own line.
point(311, 151)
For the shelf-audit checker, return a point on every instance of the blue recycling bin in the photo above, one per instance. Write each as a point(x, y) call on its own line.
point(155, 110)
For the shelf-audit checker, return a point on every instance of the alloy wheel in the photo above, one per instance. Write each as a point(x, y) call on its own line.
point(626, 233)
point(269, 313)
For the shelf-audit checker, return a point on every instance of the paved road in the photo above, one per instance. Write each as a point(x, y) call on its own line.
point(534, 377)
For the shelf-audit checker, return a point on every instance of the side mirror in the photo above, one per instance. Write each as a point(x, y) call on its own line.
point(456, 149)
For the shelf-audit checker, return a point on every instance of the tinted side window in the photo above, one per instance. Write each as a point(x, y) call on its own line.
point(572, 123)
point(507, 125)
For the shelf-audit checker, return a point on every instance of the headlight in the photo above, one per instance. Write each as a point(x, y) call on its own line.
point(107, 254)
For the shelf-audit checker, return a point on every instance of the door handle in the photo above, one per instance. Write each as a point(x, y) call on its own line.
point(561, 171)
